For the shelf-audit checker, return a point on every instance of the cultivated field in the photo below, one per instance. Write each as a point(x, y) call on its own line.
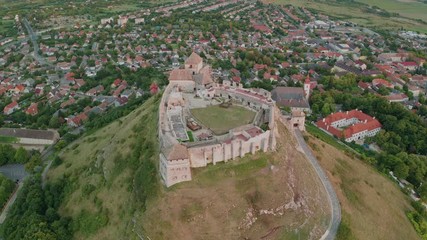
point(408, 8)
point(220, 119)
point(373, 207)
point(267, 196)
point(351, 12)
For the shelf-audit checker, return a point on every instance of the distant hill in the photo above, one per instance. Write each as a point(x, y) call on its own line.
point(385, 14)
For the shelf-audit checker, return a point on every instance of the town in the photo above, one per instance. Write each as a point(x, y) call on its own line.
point(365, 89)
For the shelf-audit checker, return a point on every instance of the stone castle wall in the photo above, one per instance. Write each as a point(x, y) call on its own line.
point(236, 144)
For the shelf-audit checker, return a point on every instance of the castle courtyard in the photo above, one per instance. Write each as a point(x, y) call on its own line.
point(221, 119)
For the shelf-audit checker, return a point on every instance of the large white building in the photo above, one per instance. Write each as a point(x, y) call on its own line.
point(351, 125)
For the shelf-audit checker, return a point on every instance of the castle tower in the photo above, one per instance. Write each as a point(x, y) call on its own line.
point(307, 87)
point(194, 63)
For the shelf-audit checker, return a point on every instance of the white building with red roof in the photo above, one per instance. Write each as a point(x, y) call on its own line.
point(411, 66)
point(351, 125)
point(10, 108)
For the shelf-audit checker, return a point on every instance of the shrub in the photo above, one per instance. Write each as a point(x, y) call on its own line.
point(89, 223)
point(88, 189)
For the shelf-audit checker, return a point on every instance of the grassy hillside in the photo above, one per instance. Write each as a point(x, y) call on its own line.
point(373, 206)
point(355, 12)
point(408, 8)
point(111, 171)
point(267, 195)
point(231, 200)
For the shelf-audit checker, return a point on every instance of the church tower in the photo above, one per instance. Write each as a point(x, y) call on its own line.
point(307, 87)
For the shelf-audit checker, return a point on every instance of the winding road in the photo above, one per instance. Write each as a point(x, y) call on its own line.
point(33, 38)
point(334, 223)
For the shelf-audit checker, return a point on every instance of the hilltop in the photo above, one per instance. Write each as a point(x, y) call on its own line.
point(268, 194)
point(115, 193)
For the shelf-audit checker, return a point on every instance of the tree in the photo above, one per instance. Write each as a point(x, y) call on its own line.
point(326, 109)
point(7, 154)
point(34, 161)
point(401, 170)
point(54, 122)
point(422, 191)
point(21, 155)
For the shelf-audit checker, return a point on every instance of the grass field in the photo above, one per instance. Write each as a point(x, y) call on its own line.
point(373, 207)
point(7, 28)
point(315, 131)
point(352, 12)
point(7, 139)
point(220, 120)
point(408, 8)
point(222, 200)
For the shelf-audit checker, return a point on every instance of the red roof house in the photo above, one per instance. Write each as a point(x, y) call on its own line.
point(10, 108)
point(32, 109)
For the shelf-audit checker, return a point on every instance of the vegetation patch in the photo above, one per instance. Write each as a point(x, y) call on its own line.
point(34, 214)
point(6, 188)
point(316, 132)
point(373, 207)
point(221, 119)
point(89, 223)
point(344, 231)
point(190, 211)
point(240, 168)
point(113, 177)
point(7, 139)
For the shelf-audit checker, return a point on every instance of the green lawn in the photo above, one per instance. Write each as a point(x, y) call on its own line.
point(7, 28)
point(220, 120)
point(7, 139)
point(315, 131)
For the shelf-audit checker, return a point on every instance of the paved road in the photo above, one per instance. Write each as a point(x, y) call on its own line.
point(332, 196)
point(15, 172)
point(33, 38)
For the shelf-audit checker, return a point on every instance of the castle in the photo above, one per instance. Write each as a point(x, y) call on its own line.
point(192, 86)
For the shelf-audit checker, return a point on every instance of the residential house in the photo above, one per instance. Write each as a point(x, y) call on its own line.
point(10, 108)
point(32, 109)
